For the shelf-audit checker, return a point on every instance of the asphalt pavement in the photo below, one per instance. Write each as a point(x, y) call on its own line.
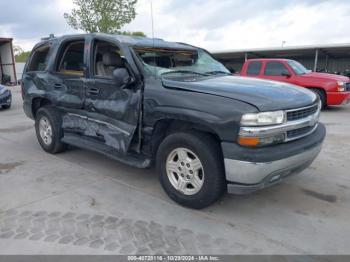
point(80, 202)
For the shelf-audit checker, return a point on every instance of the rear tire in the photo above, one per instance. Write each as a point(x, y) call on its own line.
point(322, 97)
point(6, 106)
point(48, 127)
point(191, 170)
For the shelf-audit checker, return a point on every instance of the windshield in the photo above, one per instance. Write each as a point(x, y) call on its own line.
point(164, 62)
point(298, 68)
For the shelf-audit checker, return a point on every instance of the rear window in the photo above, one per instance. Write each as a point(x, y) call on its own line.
point(38, 61)
point(71, 59)
point(254, 68)
point(275, 68)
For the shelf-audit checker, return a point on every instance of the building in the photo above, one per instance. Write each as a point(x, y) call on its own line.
point(333, 58)
point(7, 62)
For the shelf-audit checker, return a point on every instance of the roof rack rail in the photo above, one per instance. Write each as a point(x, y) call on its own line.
point(51, 36)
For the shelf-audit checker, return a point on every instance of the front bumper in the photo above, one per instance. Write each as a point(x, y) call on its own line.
point(338, 98)
point(5, 99)
point(251, 169)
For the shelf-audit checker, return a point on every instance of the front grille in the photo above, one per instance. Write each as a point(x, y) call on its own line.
point(347, 86)
point(299, 132)
point(301, 113)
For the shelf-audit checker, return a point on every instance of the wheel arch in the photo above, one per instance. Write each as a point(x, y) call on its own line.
point(39, 102)
point(163, 127)
point(321, 89)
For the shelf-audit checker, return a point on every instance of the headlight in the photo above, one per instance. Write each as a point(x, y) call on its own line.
point(263, 119)
point(341, 86)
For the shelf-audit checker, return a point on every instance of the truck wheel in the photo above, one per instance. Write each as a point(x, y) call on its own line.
point(6, 106)
point(322, 97)
point(48, 127)
point(191, 170)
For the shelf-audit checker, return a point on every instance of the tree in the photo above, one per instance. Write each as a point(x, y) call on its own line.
point(137, 33)
point(105, 16)
point(22, 57)
point(17, 50)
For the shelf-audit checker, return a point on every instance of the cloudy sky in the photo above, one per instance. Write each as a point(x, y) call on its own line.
point(213, 24)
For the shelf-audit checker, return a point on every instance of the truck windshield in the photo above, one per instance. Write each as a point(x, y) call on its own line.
point(164, 62)
point(298, 68)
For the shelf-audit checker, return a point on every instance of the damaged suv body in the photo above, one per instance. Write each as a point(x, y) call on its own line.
point(147, 101)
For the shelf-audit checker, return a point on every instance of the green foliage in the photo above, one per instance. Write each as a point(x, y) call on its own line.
point(132, 33)
point(17, 50)
point(105, 16)
point(22, 57)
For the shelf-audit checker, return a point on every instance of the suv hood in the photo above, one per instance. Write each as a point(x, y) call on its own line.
point(264, 95)
point(325, 76)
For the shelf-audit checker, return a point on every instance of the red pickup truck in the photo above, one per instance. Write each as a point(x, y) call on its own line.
point(332, 89)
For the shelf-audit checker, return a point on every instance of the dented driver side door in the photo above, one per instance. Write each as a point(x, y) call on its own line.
point(112, 112)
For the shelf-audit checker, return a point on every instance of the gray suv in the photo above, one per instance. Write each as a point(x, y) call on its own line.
point(146, 101)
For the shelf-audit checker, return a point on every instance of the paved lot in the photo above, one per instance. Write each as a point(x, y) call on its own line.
point(80, 202)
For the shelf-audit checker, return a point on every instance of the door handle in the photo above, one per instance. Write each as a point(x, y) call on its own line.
point(93, 91)
point(57, 85)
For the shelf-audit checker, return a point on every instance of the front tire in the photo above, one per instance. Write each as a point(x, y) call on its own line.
point(48, 127)
point(190, 168)
point(6, 106)
point(321, 94)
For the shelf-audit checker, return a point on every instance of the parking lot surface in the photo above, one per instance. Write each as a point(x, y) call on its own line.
point(80, 202)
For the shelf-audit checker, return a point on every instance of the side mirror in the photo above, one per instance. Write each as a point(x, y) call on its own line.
point(286, 74)
point(121, 77)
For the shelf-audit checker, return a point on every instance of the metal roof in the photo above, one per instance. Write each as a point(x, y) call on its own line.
point(331, 50)
point(5, 40)
point(287, 48)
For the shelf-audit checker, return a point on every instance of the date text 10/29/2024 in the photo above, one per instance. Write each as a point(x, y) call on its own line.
point(173, 258)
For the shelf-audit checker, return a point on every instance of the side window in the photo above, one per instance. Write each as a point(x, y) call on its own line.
point(275, 68)
point(71, 59)
point(38, 61)
point(254, 68)
point(107, 58)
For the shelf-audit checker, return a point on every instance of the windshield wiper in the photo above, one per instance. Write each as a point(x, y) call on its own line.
point(217, 72)
point(184, 72)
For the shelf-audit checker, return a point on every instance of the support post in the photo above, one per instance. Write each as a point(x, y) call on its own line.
point(316, 60)
point(245, 57)
point(13, 63)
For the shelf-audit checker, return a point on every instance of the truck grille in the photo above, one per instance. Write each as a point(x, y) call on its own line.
point(347, 86)
point(292, 134)
point(301, 113)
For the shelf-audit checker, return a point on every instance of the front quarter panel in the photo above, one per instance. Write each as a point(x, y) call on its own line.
point(219, 114)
